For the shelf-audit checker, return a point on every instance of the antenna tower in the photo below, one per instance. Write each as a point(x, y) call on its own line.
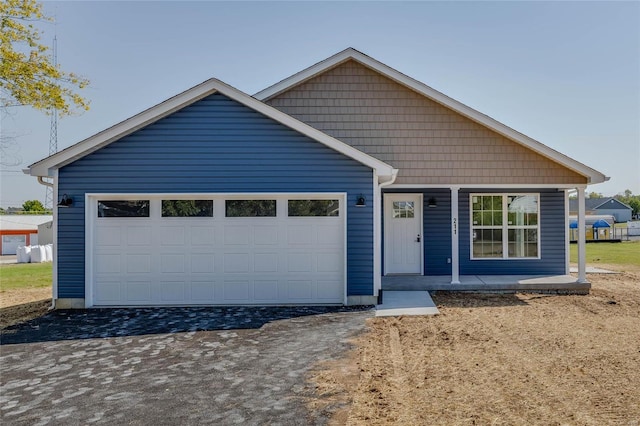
point(53, 133)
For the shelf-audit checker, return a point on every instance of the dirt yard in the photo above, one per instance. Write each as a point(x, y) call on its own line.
point(21, 305)
point(486, 359)
point(498, 359)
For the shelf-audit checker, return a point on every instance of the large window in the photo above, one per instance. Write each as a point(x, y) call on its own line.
point(505, 226)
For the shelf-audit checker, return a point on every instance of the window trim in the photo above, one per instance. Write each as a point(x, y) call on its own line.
point(505, 225)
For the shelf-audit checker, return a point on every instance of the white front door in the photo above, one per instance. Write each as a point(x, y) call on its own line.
point(403, 233)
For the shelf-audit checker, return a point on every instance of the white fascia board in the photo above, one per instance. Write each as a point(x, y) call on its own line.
point(487, 186)
point(306, 74)
point(592, 175)
point(381, 168)
point(126, 127)
point(87, 146)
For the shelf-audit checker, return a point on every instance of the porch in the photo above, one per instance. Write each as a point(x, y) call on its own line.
point(487, 283)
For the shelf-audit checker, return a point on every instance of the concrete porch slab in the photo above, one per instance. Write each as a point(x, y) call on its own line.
point(593, 270)
point(395, 303)
point(487, 283)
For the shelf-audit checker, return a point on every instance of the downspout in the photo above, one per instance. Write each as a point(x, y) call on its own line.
point(378, 226)
point(41, 181)
point(394, 175)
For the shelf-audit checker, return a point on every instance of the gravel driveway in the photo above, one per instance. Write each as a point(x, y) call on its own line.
point(170, 365)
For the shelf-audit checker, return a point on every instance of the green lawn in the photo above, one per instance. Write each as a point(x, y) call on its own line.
point(624, 253)
point(25, 275)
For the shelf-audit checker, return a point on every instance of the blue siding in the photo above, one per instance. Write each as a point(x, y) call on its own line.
point(619, 215)
point(437, 236)
point(552, 239)
point(215, 145)
point(437, 233)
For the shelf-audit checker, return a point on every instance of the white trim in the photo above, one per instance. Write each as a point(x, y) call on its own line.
point(343, 197)
point(351, 54)
point(455, 236)
point(485, 186)
point(90, 216)
point(505, 226)
point(306, 74)
point(377, 230)
point(155, 113)
point(582, 238)
point(567, 234)
point(377, 240)
point(387, 196)
point(54, 207)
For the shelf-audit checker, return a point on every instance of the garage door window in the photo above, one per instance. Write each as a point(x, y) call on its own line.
point(313, 208)
point(123, 208)
point(250, 208)
point(187, 208)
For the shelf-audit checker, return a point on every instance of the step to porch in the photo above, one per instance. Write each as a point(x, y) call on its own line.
point(396, 303)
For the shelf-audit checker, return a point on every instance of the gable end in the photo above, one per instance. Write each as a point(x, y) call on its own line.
point(428, 142)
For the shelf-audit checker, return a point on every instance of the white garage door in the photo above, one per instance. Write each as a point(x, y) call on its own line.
point(216, 250)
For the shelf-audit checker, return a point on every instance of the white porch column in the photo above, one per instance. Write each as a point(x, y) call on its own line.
point(377, 239)
point(567, 237)
point(582, 238)
point(455, 250)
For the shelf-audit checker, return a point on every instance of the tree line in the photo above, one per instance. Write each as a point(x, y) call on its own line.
point(28, 207)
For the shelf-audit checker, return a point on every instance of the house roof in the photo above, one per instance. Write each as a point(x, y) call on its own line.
point(592, 175)
point(45, 166)
point(22, 222)
point(599, 203)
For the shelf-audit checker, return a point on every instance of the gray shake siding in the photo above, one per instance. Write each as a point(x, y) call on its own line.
point(215, 145)
point(427, 142)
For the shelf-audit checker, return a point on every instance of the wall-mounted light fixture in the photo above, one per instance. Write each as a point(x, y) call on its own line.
point(361, 201)
point(65, 201)
point(432, 203)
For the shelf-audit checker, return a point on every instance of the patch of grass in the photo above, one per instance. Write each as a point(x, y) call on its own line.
point(624, 253)
point(25, 275)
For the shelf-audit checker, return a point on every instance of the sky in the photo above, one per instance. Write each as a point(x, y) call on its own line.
point(564, 73)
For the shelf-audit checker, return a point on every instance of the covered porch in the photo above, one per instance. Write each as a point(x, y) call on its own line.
point(448, 258)
point(489, 283)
